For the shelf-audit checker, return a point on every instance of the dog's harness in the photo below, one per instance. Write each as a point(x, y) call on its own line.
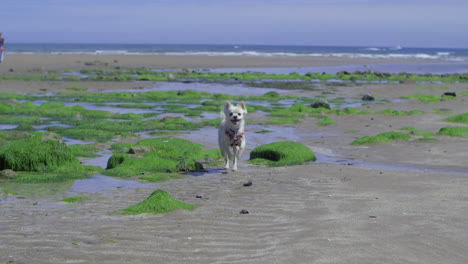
point(234, 137)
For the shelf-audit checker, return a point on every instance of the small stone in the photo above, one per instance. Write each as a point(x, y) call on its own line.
point(139, 150)
point(243, 211)
point(321, 103)
point(247, 184)
point(368, 97)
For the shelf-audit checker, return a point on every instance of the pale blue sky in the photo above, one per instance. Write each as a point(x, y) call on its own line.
point(417, 23)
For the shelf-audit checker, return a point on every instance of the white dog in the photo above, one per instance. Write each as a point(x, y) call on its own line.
point(231, 133)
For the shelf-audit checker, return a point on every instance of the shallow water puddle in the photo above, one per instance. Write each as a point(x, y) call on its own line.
point(101, 184)
point(231, 89)
point(8, 126)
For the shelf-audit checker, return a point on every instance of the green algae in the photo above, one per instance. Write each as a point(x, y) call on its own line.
point(461, 118)
point(393, 112)
point(294, 80)
point(159, 202)
point(77, 88)
point(428, 98)
point(35, 153)
point(416, 132)
point(453, 131)
point(385, 137)
point(159, 155)
point(85, 150)
point(326, 121)
point(75, 199)
point(284, 121)
point(284, 153)
point(42, 158)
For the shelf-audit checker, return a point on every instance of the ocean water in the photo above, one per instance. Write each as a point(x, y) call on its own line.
point(432, 60)
point(445, 54)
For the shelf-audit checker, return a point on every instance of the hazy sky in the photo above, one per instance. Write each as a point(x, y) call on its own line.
point(419, 23)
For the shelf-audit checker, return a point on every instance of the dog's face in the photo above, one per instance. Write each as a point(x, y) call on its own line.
point(235, 114)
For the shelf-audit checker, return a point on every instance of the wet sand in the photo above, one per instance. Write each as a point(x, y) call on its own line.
point(53, 62)
point(338, 212)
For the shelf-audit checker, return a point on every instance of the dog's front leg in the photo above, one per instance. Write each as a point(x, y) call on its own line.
point(226, 154)
point(235, 157)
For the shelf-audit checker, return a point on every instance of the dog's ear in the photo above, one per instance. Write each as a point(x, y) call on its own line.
point(243, 106)
point(228, 105)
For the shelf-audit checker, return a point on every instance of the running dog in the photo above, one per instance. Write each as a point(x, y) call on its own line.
point(231, 133)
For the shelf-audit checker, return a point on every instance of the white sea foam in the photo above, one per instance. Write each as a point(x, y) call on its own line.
point(447, 56)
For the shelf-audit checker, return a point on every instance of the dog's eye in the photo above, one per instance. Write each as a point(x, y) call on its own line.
point(230, 114)
point(239, 114)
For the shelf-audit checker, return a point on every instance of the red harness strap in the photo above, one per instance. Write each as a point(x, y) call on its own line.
point(232, 136)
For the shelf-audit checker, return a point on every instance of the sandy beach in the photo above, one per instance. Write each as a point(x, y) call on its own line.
point(401, 202)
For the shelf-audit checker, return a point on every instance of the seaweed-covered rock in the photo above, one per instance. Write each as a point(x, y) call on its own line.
point(35, 154)
point(159, 202)
point(139, 150)
point(321, 103)
point(271, 94)
point(282, 153)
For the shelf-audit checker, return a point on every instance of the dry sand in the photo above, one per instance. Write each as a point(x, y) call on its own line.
point(314, 213)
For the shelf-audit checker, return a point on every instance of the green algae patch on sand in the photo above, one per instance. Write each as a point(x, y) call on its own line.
point(461, 118)
point(42, 158)
point(154, 156)
point(428, 98)
point(36, 153)
point(393, 112)
point(283, 153)
point(385, 137)
point(453, 131)
point(75, 199)
point(159, 202)
point(326, 121)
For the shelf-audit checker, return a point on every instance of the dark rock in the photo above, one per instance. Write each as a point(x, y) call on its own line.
point(243, 211)
point(454, 94)
point(321, 103)
point(368, 97)
point(342, 73)
point(247, 184)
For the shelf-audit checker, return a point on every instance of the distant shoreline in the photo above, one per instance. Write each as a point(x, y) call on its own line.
point(23, 62)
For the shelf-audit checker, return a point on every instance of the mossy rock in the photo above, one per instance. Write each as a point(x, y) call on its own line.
point(36, 153)
point(159, 202)
point(282, 153)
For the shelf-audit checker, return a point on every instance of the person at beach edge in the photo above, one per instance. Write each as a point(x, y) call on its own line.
point(2, 48)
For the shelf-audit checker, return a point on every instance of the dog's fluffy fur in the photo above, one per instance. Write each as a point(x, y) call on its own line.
point(231, 133)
